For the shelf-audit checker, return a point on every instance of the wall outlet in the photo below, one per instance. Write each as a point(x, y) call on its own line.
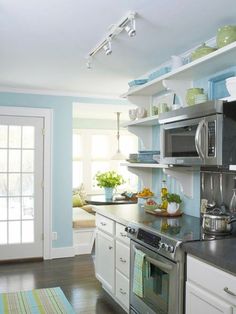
point(54, 236)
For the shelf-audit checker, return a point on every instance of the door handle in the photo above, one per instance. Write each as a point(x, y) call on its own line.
point(123, 234)
point(198, 139)
point(122, 260)
point(226, 289)
point(122, 291)
point(103, 223)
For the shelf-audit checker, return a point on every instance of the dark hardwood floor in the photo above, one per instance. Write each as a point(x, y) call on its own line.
point(74, 275)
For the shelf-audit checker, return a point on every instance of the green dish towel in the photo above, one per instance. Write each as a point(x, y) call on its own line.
point(138, 273)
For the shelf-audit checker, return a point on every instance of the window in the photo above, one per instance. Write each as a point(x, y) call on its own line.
point(92, 152)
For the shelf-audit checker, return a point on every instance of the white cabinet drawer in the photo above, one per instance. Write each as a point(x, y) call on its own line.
point(121, 234)
point(122, 289)
point(212, 279)
point(105, 224)
point(122, 258)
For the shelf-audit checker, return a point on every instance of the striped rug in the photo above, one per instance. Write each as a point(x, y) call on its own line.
point(39, 301)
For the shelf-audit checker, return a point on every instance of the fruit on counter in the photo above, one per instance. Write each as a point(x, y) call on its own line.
point(146, 192)
point(151, 202)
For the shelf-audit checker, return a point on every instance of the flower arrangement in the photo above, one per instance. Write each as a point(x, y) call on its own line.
point(109, 179)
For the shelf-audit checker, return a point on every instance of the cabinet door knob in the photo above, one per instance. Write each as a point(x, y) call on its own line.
point(226, 289)
point(122, 260)
point(103, 223)
point(110, 247)
point(122, 291)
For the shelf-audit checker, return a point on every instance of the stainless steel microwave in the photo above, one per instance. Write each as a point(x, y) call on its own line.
point(204, 134)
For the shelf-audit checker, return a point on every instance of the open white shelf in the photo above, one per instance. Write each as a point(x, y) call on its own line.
point(140, 165)
point(148, 121)
point(208, 65)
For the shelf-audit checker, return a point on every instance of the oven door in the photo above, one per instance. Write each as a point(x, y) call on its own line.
point(184, 142)
point(160, 284)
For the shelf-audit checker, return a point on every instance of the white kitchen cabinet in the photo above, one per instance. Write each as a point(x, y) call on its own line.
point(209, 290)
point(105, 260)
point(112, 259)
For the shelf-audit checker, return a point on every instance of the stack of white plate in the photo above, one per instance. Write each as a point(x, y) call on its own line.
point(231, 85)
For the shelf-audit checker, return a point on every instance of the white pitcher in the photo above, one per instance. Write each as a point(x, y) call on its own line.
point(172, 208)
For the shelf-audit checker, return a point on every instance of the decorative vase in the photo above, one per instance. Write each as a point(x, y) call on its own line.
point(191, 94)
point(108, 193)
point(172, 207)
point(226, 35)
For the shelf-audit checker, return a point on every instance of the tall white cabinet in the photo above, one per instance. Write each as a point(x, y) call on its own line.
point(209, 290)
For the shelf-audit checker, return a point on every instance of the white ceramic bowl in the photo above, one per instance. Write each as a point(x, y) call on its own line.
point(132, 114)
point(231, 87)
point(141, 112)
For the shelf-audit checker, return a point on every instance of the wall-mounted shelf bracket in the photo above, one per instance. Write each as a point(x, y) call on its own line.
point(179, 87)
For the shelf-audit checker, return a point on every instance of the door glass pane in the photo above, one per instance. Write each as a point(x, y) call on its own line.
point(27, 231)
point(3, 136)
point(3, 185)
point(14, 136)
point(3, 232)
point(3, 208)
point(3, 160)
point(77, 173)
point(27, 184)
point(28, 137)
point(14, 208)
point(14, 160)
point(77, 146)
point(14, 232)
point(27, 161)
point(14, 185)
point(27, 208)
point(100, 146)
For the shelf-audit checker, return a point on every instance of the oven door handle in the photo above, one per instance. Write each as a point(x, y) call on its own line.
point(157, 263)
point(198, 140)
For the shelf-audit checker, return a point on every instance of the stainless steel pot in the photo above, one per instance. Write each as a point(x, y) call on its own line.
point(217, 222)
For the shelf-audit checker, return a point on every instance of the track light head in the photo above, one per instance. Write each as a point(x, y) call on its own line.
point(130, 28)
point(107, 47)
point(89, 63)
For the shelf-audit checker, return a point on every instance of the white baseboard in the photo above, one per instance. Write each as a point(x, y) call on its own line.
point(61, 252)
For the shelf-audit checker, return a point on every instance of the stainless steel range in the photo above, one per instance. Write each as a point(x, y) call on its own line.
point(160, 240)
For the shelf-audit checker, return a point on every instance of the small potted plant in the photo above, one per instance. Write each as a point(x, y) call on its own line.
point(109, 180)
point(174, 201)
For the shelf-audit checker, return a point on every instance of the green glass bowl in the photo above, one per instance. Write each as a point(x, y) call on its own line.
point(191, 94)
point(201, 52)
point(226, 35)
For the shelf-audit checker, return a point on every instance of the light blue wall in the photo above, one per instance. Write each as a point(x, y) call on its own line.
point(62, 153)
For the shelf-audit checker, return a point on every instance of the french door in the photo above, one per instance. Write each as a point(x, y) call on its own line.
point(21, 187)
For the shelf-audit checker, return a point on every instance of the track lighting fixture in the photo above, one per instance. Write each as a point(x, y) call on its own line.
point(107, 47)
point(130, 28)
point(127, 24)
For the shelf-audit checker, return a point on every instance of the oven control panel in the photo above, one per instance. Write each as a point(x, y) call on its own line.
point(150, 239)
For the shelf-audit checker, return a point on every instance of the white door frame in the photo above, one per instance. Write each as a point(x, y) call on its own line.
point(47, 114)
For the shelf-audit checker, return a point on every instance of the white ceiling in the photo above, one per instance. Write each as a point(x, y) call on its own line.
point(43, 44)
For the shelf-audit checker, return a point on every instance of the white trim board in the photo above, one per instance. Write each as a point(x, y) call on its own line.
point(62, 252)
point(47, 114)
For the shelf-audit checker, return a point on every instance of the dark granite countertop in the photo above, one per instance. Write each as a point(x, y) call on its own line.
point(220, 253)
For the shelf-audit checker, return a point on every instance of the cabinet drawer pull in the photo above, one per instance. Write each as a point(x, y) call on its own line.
point(123, 234)
point(103, 223)
point(122, 260)
point(110, 247)
point(226, 289)
point(122, 291)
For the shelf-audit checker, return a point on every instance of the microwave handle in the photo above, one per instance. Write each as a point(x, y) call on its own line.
point(197, 139)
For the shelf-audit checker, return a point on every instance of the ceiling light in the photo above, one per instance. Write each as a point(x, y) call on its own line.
point(127, 23)
point(130, 28)
point(118, 155)
point(107, 47)
point(89, 63)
